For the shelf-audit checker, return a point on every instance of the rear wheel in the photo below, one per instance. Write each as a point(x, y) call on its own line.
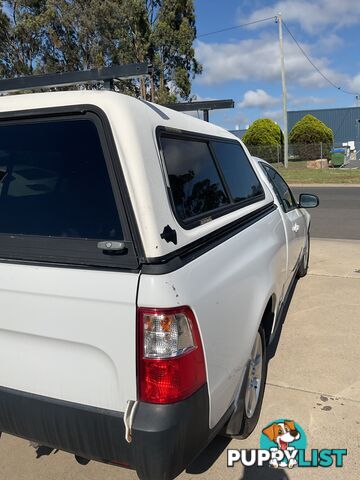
point(304, 265)
point(254, 386)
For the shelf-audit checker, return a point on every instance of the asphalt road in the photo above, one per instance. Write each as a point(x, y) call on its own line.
point(338, 215)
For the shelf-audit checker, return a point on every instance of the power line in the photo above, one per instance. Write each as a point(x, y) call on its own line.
point(236, 26)
point(327, 79)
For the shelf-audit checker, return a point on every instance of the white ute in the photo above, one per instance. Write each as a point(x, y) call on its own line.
point(144, 261)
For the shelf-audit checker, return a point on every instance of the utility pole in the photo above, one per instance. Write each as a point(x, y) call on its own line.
point(284, 98)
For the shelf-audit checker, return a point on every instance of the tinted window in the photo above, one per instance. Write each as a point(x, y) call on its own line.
point(54, 181)
point(238, 173)
point(281, 188)
point(194, 180)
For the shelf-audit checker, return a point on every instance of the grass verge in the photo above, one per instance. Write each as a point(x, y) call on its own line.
point(298, 173)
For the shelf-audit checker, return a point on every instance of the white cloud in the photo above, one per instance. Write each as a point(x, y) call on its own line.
point(236, 61)
point(311, 15)
point(355, 83)
point(258, 99)
point(258, 60)
point(236, 119)
point(276, 115)
point(329, 42)
point(308, 100)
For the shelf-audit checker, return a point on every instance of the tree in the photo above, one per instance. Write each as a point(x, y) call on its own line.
point(307, 135)
point(61, 35)
point(263, 132)
point(263, 139)
point(310, 130)
point(171, 47)
point(23, 37)
point(160, 32)
point(4, 35)
point(70, 35)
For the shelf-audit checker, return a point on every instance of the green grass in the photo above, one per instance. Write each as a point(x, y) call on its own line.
point(298, 173)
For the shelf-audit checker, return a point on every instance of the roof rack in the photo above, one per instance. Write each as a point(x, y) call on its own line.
point(65, 79)
point(205, 106)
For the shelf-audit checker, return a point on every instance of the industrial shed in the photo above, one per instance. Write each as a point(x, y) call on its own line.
point(344, 122)
point(239, 133)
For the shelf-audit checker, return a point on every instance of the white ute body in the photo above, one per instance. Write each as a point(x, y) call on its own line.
point(70, 333)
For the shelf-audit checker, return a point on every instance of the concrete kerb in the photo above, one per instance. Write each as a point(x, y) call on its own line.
point(319, 185)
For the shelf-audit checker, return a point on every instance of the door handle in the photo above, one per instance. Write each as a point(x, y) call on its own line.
point(295, 227)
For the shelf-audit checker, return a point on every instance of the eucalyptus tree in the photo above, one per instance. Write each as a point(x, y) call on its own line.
point(62, 35)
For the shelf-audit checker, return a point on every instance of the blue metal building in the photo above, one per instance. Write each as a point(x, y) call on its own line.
point(239, 133)
point(344, 122)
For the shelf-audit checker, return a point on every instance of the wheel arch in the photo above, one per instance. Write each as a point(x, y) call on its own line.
point(235, 424)
point(267, 319)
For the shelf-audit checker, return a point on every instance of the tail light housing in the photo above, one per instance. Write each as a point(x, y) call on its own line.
point(171, 364)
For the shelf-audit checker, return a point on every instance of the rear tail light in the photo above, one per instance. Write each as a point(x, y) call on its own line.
point(171, 364)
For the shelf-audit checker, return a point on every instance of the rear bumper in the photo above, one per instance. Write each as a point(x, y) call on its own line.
point(165, 438)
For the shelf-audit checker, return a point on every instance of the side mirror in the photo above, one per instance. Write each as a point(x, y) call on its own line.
point(307, 200)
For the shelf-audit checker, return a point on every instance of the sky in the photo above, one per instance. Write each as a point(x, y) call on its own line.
point(244, 63)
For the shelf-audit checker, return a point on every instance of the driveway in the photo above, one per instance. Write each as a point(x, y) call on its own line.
point(314, 379)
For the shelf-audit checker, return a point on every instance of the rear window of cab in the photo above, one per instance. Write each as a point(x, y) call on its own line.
point(207, 178)
point(59, 193)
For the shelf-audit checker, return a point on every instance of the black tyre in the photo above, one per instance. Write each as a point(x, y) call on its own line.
point(304, 265)
point(253, 389)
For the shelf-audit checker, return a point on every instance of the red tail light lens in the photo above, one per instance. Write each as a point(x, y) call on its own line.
point(171, 364)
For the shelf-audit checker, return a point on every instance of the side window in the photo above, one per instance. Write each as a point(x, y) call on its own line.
point(281, 188)
point(239, 175)
point(195, 183)
point(54, 181)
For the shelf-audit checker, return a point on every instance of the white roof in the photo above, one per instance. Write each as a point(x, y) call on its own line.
point(95, 97)
point(133, 123)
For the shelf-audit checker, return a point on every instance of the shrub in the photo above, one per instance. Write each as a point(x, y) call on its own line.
point(311, 130)
point(263, 132)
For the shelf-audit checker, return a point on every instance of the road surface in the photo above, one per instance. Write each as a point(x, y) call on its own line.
point(338, 215)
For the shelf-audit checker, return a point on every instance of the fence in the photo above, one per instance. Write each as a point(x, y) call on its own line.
point(297, 152)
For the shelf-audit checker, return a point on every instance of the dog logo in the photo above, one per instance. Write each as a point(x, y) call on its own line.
point(283, 438)
point(283, 445)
